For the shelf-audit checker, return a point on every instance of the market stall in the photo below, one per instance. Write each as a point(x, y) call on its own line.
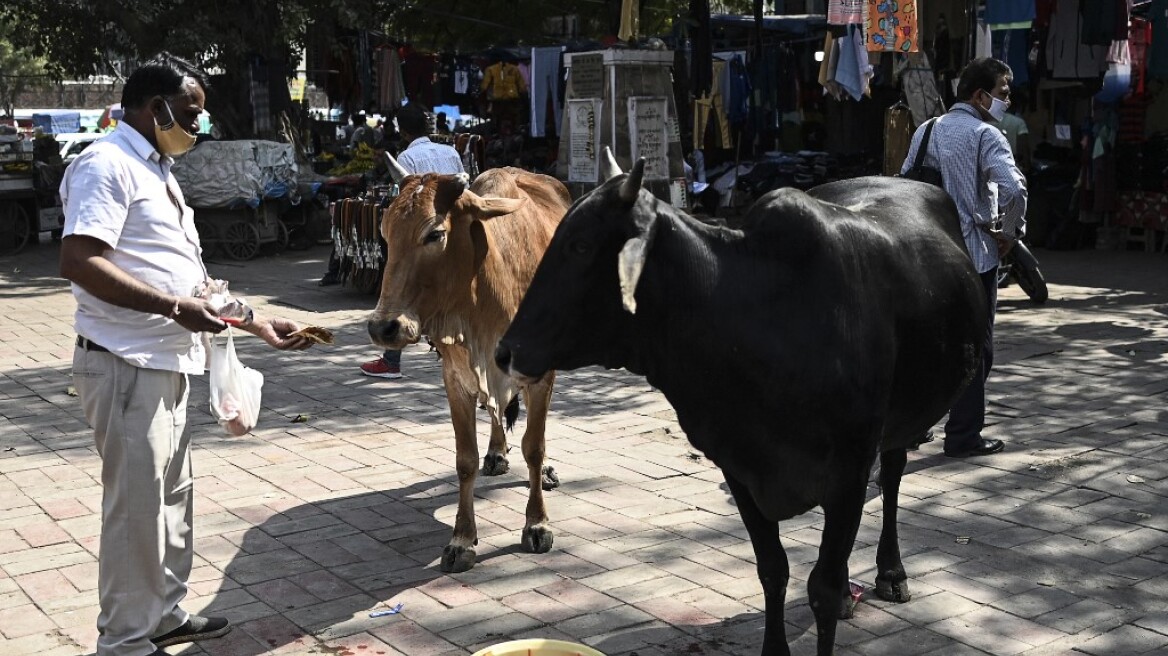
point(246, 194)
point(30, 174)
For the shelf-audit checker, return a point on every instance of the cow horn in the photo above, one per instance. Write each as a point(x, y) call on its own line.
point(632, 184)
point(396, 170)
point(609, 169)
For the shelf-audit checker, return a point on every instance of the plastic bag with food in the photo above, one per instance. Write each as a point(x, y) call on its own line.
point(236, 390)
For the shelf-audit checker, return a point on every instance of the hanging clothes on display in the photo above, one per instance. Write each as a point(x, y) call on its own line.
point(1013, 47)
point(390, 88)
point(898, 132)
point(1104, 21)
point(503, 81)
point(737, 98)
point(629, 20)
point(1009, 14)
point(701, 75)
point(919, 86)
point(846, 12)
point(503, 85)
point(1158, 52)
point(1066, 55)
point(419, 71)
point(712, 105)
point(892, 26)
point(853, 72)
point(545, 89)
point(1139, 37)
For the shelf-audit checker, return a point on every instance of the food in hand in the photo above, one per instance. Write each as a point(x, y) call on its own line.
point(315, 334)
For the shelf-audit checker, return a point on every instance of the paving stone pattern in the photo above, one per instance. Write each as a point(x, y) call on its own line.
point(1057, 545)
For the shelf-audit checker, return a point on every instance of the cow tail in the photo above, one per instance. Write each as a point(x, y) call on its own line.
point(511, 413)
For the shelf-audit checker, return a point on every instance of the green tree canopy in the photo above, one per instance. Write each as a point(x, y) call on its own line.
point(20, 70)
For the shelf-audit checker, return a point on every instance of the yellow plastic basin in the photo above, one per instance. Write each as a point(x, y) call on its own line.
point(538, 648)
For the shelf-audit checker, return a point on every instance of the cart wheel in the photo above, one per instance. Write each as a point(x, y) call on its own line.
point(282, 237)
point(14, 228)
point(241, 240)
point(208, 238)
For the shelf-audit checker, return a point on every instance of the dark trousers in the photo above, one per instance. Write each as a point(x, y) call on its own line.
point(967, 416)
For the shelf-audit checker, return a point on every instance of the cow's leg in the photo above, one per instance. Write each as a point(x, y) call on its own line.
point(537, 535)
point(495, 462)
point(891, 581)
point(461, 393)
point(773, 570)
point(842, 510)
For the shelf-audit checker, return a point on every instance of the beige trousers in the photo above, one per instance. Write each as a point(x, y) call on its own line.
point(139, 420)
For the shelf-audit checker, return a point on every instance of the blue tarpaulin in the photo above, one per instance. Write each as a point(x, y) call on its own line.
point(57, 121)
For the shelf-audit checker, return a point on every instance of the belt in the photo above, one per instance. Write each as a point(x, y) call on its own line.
point(89, 345)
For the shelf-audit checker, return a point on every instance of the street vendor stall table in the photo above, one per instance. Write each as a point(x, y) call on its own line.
point(29, 177)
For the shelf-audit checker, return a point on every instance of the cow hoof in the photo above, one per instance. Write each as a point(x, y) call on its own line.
point(537, 539)
point(895, 591)
point(457, 559)
point(847, 607)
point(495, 464)
point(550, 480)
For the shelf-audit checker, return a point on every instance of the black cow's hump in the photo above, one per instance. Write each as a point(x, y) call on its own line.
point(783, 211)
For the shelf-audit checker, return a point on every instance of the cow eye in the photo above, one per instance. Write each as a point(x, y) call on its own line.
point(433, 236)
point(580, 247)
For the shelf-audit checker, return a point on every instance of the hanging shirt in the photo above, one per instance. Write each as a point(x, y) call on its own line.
point(502, 81)
point(1158, 51)
point(892, 27)
point(845, 12)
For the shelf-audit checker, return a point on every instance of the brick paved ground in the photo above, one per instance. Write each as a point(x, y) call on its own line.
point(1056, 545)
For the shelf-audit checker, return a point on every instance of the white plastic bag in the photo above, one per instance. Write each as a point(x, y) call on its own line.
point(235, 389)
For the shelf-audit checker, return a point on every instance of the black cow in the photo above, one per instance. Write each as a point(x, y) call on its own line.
point(836, 324)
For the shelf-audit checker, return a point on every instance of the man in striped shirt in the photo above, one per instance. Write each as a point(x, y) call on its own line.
point(980, 175)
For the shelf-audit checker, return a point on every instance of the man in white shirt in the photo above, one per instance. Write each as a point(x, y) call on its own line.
point(420, 156)
point(132, 253)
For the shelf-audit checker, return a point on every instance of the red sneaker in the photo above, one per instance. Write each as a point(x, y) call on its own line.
point(379, 369)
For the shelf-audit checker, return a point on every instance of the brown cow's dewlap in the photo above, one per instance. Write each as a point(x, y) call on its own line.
point(316, 334)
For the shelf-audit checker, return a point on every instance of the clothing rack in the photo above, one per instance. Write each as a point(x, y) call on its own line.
point(356, 232)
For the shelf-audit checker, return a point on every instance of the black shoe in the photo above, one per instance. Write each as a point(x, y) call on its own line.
point(984, 448)
point(330, 278)
point(194, 629)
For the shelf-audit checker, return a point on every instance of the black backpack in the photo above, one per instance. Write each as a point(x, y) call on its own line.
point(919, 171)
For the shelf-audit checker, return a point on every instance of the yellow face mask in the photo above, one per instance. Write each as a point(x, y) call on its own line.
point(172, 139)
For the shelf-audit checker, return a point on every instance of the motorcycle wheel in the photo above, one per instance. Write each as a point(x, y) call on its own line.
point(1031, 281)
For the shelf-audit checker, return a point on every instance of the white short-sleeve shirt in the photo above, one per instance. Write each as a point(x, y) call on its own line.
point(121, 192)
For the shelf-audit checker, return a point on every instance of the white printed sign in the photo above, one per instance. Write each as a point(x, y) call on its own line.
point(584, 141)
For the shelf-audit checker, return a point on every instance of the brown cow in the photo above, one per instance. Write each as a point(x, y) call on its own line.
point(459, 261)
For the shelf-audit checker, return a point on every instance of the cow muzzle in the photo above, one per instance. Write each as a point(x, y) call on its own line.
point(393, 332)
point(504, 359)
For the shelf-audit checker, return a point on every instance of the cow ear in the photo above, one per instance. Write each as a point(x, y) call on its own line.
point(631, 262)
point(448, 190)
point(486, 207)
point(609, 169)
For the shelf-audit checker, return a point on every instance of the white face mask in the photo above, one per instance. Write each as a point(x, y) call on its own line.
point(997, 108)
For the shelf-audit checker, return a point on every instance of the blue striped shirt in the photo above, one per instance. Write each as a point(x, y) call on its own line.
point(980, 175)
